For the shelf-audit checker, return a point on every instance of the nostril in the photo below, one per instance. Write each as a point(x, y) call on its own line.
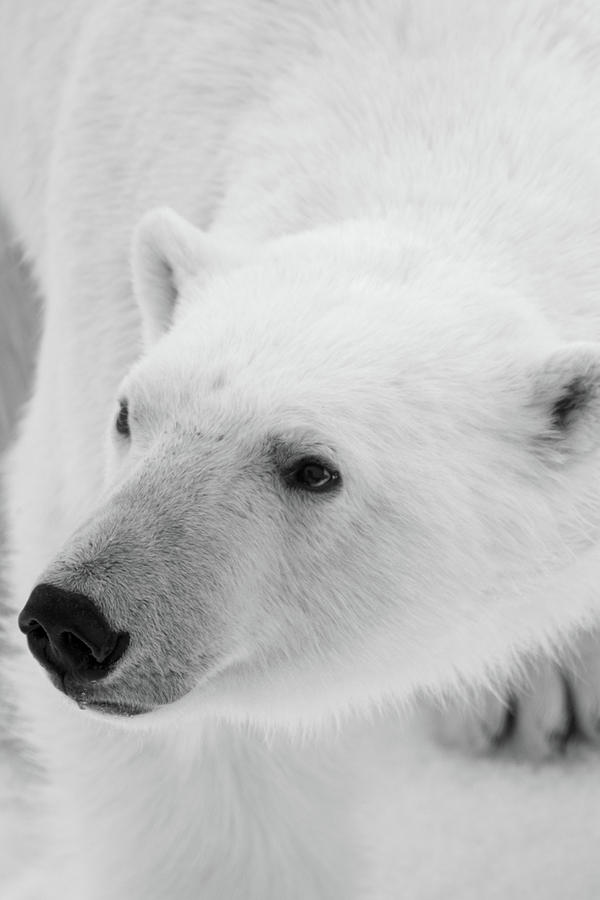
point(31, 626)
point(77, 650)
point(86, 656)
point(36, 635)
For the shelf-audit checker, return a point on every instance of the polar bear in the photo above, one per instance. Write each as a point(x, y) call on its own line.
point(335, 439)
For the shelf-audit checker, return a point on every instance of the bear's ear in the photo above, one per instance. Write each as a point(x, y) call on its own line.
point(567, 392)
point(166, 251)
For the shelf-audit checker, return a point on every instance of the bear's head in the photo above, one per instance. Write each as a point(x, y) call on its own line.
point(347, 465)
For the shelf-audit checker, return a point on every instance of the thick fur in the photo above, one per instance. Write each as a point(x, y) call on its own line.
point(387, 260)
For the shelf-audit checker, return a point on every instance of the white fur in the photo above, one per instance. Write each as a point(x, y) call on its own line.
point(401, 268)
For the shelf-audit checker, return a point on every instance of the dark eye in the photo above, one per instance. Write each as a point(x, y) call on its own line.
point(313, 475)
point(122, 421)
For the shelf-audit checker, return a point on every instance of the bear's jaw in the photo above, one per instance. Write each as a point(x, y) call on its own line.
point(111, 708)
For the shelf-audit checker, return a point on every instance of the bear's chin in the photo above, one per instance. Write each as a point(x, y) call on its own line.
point(106, 706)
point(113, 708)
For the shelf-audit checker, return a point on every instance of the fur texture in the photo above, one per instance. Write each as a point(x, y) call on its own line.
point(387, 264)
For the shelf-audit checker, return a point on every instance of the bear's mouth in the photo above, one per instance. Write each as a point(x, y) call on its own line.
point(94, 697)
point(111, 707)
point(86, 701)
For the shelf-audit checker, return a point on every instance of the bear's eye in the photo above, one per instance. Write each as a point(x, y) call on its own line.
point(313, 475)
point(122, 420)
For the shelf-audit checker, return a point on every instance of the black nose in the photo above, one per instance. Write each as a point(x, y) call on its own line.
point(68, 635)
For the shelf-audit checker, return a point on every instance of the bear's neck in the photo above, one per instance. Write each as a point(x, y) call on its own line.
point(222, 815)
